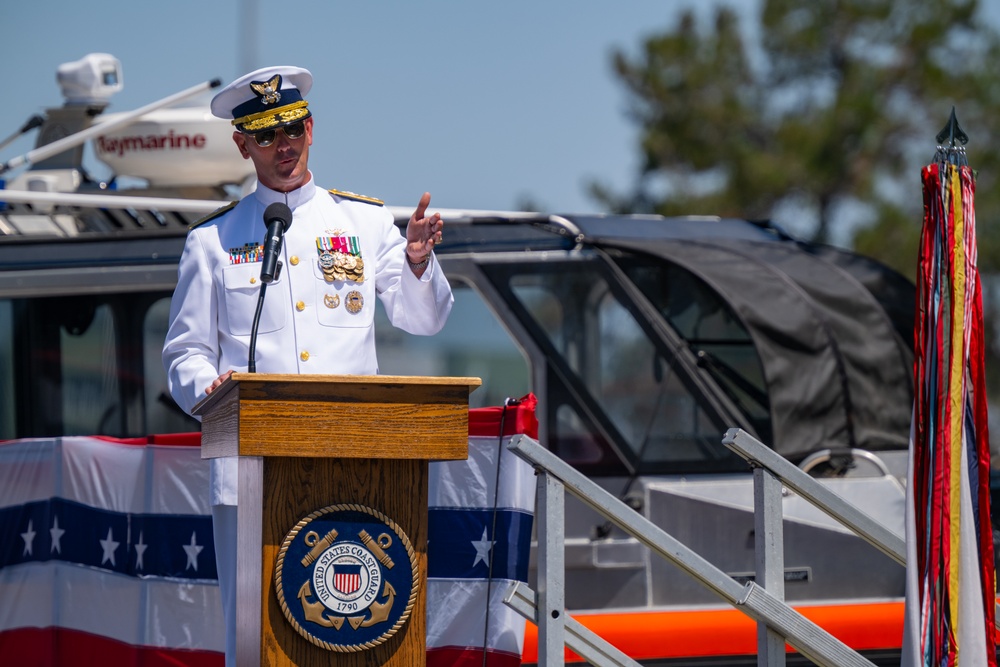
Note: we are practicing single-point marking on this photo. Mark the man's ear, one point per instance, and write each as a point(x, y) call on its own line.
point(241, 142)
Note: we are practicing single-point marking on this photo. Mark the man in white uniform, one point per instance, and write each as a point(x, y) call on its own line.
point(340, 251)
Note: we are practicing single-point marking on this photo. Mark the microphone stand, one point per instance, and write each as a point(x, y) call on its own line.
point(277, 217)
point(252, 361)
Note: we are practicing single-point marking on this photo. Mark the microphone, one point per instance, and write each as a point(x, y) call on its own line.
point(278, 218)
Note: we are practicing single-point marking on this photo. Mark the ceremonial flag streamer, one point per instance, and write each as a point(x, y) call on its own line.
point(950, 611)
point(106, 553)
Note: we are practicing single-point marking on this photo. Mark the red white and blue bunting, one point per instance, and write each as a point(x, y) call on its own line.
point(106, 553)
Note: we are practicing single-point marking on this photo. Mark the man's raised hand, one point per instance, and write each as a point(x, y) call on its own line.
point(423, 232)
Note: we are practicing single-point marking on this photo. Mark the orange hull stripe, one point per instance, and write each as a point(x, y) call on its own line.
point(717, 632)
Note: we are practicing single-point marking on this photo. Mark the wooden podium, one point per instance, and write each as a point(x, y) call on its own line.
point(309, 442)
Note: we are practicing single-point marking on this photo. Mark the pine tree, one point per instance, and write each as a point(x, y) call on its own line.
point(822, 124)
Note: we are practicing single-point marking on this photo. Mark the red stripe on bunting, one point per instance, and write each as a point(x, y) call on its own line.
point(177, 439)
point(453, 656)
point(60, 647)
point(518, 417)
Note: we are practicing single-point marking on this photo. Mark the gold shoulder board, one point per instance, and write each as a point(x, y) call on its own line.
point(213, 215)
point(356, 197)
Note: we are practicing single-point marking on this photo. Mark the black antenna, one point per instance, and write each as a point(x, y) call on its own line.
point(948, 150)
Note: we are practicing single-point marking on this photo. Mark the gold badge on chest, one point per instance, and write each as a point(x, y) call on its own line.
point(354, 302)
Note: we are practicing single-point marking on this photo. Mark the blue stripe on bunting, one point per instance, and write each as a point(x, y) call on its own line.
point(181, 546)
point(457, 548)
point(140, 545)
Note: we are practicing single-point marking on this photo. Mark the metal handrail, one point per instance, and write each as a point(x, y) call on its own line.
point(579, 638)
point(556, 476)
point(757, 453)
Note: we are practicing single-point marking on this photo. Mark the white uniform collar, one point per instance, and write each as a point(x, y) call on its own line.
point(293, 199)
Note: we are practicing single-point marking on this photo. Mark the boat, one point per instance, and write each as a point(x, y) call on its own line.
point(644, 339)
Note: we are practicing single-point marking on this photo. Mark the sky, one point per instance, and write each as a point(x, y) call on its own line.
point(485, 105)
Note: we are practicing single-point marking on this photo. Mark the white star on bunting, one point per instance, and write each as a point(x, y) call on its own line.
point(192, 551)
point(140, 549)
point(109, 546)
point(482, 547)
point(29, 538)
point(56, 532)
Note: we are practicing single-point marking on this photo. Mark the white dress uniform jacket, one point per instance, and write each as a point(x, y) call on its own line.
point(305, 326)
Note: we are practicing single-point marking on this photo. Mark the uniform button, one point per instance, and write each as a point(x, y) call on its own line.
point(300, 306)
point(253, 280)
point(294, 260)
point(304, 356)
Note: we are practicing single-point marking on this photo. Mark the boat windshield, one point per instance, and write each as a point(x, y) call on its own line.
point(710, 327)
point(616, 388)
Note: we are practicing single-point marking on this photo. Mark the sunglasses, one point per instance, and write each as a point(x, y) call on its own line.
point(267, 137)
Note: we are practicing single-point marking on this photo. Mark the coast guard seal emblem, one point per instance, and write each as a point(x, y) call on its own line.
point(346, 577)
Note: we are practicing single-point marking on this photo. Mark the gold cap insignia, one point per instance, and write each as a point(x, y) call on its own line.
point(268, 90)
